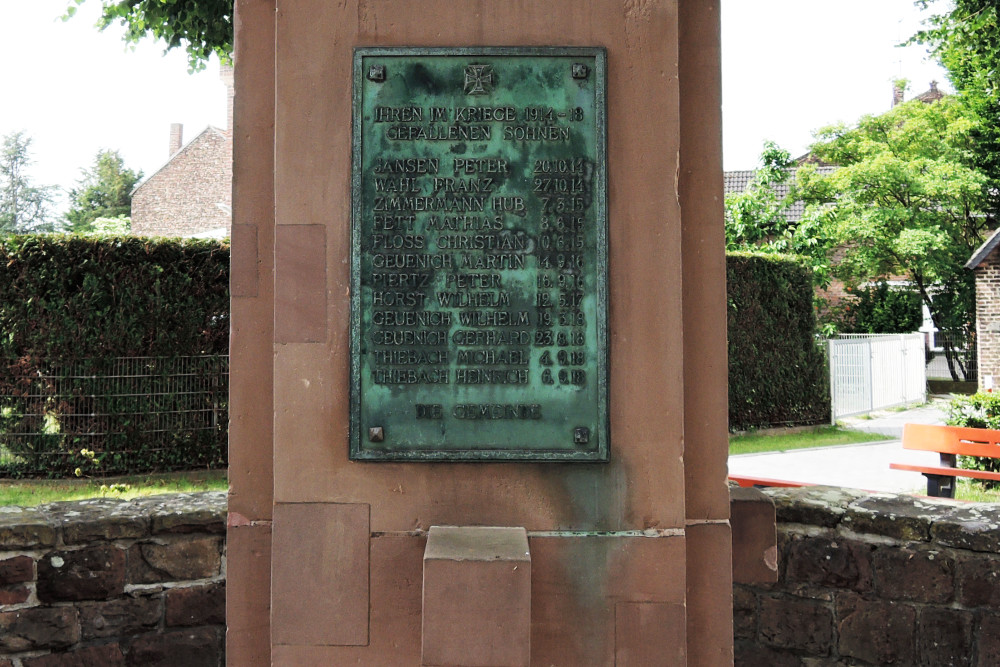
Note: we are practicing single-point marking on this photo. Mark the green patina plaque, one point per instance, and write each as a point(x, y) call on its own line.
point(479, 255)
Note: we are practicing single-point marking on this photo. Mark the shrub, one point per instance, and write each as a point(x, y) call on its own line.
point(880, 308)
point(981, 410)
point(777, 371)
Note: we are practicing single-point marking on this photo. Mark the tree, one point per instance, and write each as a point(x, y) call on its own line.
point(758, 218)
point(202, 27)
point(881, 308)
point(966, 40)
point(117, 226)
point(24, 207)
point(105, 191)
point(907, 200)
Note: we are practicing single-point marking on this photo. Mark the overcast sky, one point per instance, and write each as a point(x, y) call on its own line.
point(792, 66)
point(789, 67)
point(75, 91)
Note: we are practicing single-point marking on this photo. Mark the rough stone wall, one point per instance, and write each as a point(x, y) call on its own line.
point(988, 318)
point(875, 580)
point(113, 583)
point(190, 194)
point(864, 579)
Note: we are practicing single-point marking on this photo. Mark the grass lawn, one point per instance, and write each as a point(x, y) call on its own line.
point(820, 436)
point(30, 492)
point(970, 490)
point(967, 490)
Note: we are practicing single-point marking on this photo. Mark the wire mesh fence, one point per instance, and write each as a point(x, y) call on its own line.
point(113, 416)
point(964, 360)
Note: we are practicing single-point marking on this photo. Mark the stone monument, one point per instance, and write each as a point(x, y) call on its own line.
point(479, 335)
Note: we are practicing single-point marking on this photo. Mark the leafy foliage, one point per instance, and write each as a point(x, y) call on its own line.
point(758, 219)
point(202, 27)
point(777, 373)
point(756, 216)
point(24, 207)
point(966, 40)
point(116, 226)
point(906, 201)
point(981, 410)
point(881, 308)
point(71, 308)
point(105, 191)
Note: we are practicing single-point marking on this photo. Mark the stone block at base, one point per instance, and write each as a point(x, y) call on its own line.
point(755, 541)
point(476, 597)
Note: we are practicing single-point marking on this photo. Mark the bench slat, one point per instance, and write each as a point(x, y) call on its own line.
point(948, 472)
point(952, 440)
point(747, 481)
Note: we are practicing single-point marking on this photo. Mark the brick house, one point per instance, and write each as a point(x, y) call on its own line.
point(191, 194)
point(985, 263)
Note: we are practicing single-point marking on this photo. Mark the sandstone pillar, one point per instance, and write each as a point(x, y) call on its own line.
point(630, 558)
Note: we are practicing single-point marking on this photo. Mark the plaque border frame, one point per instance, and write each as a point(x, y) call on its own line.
point(600, 454)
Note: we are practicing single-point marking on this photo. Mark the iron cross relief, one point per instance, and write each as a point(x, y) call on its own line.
point(479, 79)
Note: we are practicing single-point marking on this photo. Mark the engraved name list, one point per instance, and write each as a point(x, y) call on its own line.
point(479, 255)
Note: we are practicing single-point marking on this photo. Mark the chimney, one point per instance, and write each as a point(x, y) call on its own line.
point(898, 89)
point(227, 77)
point(176, 137)
point(934, 88)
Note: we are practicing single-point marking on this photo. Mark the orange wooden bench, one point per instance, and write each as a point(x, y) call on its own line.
point(746, 481)
point(950, 442)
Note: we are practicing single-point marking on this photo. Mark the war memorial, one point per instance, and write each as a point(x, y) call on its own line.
point(479, 336)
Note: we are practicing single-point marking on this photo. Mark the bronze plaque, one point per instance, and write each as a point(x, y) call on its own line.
point(479, 255)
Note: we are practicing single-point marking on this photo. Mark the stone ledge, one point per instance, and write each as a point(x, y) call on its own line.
point(24, 528)
point(936, 521)
point(109, 519)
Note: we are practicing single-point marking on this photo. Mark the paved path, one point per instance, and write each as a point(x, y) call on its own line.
point(890, 422)
point(863, 466)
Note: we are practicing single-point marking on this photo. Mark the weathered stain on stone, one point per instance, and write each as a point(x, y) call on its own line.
point(830, 562)
point(187, 512)
point(189, 559)
point(119, 618)
point(972, 527)
point(918, 574)
point(877, 632)
point(97, 519)
point(822, 506)
point(21, 528)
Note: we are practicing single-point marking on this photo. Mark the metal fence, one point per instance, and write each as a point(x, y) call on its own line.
point(103, 416)
point(966, 360)
point(874, 371)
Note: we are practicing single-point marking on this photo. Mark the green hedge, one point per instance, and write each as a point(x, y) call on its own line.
point(99, 330)
point(84, 296)
point(113, 354)
point(777, 371)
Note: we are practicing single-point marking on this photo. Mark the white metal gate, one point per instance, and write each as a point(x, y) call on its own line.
point(874, 371)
